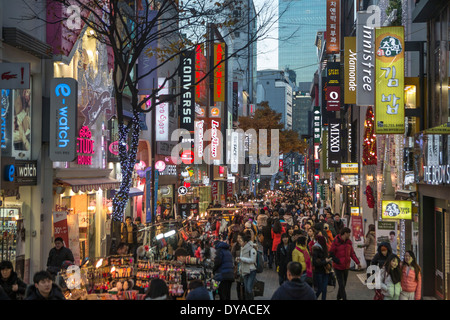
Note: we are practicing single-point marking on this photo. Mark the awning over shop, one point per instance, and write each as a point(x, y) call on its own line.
point(90, 184)
point(134, 192)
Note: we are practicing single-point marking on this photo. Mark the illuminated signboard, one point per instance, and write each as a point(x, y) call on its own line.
point(186, 108)
point(350, 57)
point(349, 168)
point(389, 84)
point(63, 118)
point(219, 72)
point(85, 147)
point(396, 210)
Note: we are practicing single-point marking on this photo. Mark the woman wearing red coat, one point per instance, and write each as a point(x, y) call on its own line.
point(342, 250)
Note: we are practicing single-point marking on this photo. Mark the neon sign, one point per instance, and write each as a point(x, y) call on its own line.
point(85, 146)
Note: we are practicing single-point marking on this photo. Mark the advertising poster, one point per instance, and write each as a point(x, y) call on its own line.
point(21, 148)
point(358, 238)
point(60, 227)
point(389, 84)
point(74, 236)
point(386, 231)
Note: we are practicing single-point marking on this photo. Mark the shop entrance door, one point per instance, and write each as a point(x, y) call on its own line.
point(439, 249)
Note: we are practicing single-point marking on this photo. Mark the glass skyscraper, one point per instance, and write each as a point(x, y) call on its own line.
point(299, 21)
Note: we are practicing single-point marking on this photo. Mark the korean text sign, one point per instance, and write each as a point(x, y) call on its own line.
point(389, 80)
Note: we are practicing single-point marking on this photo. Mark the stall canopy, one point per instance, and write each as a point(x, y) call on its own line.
point(134, 192)
point(89, 184)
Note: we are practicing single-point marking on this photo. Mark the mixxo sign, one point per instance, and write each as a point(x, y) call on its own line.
point(63, 119)
point(334, 143)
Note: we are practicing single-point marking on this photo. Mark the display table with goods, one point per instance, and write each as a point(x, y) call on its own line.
point(118, 278)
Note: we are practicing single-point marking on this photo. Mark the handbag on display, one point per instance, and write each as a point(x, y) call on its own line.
point(258, 288)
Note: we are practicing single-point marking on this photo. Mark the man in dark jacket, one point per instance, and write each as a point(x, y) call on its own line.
point(267, 243)
point(283, 257)
point(223, 269)
point(13, 286)
point(57, 256)
point(294, 288)
point(43, 288)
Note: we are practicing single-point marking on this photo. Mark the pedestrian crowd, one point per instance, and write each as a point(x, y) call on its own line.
point(309, 248)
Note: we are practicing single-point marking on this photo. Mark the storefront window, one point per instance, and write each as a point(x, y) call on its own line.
point(8, 232)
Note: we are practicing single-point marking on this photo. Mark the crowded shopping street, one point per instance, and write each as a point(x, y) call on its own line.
point(246, 153)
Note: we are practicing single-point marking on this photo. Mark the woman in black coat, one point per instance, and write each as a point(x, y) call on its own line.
point(10, 282)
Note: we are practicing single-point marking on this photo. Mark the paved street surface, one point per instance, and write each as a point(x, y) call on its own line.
point(355, 288)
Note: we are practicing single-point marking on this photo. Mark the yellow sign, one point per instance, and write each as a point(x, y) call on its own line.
point(389, 80)
point(349, 168)
point(396, 210)
point(350, 70)
point(354, 211)
point(219, 72)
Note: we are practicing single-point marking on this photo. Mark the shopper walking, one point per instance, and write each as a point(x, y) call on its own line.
point(13, 286)
point(236, 253)
point(223, 269)
point(57, 256)
point(383, 252)
point(301, 255)
point(370, 245)
point(342, 249)
point(322, 266)
point(390, 278)
point(411, 278)
point(247, 264)
point(283, 257)
point(295, 288)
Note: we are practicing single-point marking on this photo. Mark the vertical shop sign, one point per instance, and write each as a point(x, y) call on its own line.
point(350, 58)
point(333, 87)
point(389, 85)
point(219, 72)
point(333, 26)
point(234, 152)
point(317, 124)
point(162, 113)
point(63, 118)
point(186, 109)
point(200, 73)
point(365, 58)
point(148, 195)
point(155, 204)
point(334, 143)
point(235, 101)
point(60, 227)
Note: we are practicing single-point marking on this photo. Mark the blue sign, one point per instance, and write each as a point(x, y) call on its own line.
point(9, 172)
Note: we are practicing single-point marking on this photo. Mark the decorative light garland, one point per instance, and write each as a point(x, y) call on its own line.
point(370, 142)
point(127, 162)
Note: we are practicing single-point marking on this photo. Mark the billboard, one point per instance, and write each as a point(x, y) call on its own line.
point(389, 85)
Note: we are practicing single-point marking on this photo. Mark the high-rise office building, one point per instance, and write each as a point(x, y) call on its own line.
point(299, 21)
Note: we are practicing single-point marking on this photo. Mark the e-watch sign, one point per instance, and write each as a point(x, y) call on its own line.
point(63, 119)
